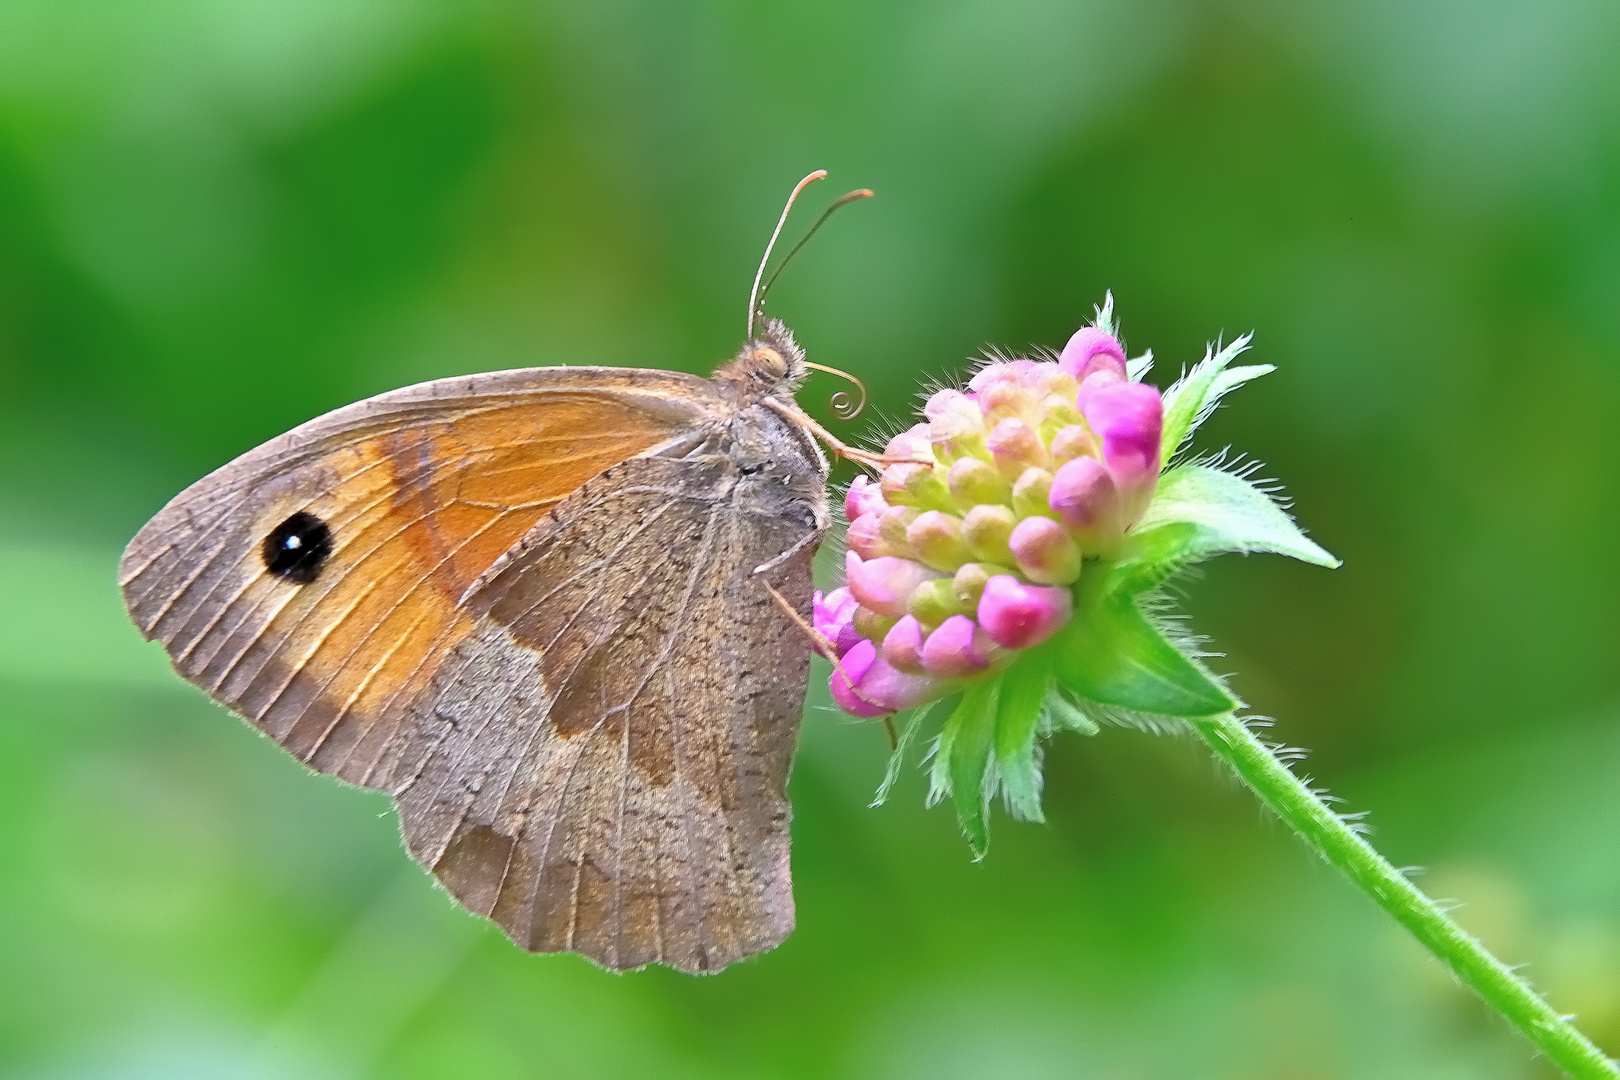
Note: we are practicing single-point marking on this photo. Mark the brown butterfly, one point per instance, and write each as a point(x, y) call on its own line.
point(535, 607)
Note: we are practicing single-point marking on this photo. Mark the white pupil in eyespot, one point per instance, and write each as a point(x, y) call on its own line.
point(294, 543)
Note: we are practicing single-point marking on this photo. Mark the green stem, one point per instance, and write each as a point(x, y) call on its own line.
point(1487, 976)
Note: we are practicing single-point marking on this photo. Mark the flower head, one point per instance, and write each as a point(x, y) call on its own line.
point(1001, 557)
point(967, 549)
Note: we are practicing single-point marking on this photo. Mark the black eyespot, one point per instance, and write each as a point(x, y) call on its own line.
point(297, 548)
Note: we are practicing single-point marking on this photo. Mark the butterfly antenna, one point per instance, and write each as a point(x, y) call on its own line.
point(754, 294)
point(844, 200)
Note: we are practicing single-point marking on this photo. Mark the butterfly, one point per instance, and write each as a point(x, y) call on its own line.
point(553, 612)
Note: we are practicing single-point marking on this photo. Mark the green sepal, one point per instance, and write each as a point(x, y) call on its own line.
point(1111, 653)
point(1063, 714)
point(1199, 511)
point(908, 735)
point(1105, 316)
point(1190, 401)
point(962, 761)
point(1226, 382)
point(1024, 688)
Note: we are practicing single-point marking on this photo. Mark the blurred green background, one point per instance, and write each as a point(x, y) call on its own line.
point(219, 218)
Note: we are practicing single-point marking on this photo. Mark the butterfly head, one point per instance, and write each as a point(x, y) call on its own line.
point(771, 364)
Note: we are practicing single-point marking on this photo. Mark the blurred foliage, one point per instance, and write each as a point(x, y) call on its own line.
point(219, 218)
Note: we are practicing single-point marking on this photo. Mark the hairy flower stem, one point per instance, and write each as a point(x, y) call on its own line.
point(1323, 829)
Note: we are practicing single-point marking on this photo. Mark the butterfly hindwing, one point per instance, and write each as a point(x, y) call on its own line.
point(600, 765)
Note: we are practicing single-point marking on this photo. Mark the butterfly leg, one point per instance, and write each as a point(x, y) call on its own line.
point(838, 447)
point(810, 540)
point(818, 640)
point(823, 647)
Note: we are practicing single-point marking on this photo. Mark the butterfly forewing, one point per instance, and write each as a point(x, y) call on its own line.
point(421, 490)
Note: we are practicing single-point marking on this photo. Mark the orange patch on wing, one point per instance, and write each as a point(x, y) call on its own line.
point(429, 508)
point(469, 489)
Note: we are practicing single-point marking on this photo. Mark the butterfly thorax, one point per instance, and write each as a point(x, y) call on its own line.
point(769, 449)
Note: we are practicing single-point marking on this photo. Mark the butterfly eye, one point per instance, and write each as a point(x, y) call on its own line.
point(296, 549)
point(770, 362)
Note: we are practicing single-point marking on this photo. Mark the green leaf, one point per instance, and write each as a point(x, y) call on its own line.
point(1199, 511)
point(1113, 654)
point(1024, 688)
point(908, 735)
point(1190, 401)
point(963, 760)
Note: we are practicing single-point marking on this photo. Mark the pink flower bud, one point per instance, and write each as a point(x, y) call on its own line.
point(892, 526)
point(882, 688)
point(1030, 494)
point(1094, 382)
point(982, 378)
point(1085, 498)
point(849, 673)
point(986, 530)
point(1006, 397)
point(1002, 371)
point(1071, 442)
point(1092, 349)
point(902, 646)
point(915, 485)
point(864, 497)
point(972, 481)
point(1016, 447)
point(958, 649)
point(1045, 551)
point(957, 439)
point(1047, 380)
point(1129, 418)
point(937, 540)
point(833, 618)
point(865, 539)
point(933, 602)
point(956, 427)
point(951, 404)
point(1057, 413)
point(969, 582)
point(1016, 616)
point(911, 444)
point(884, 585)
point(870, 625)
